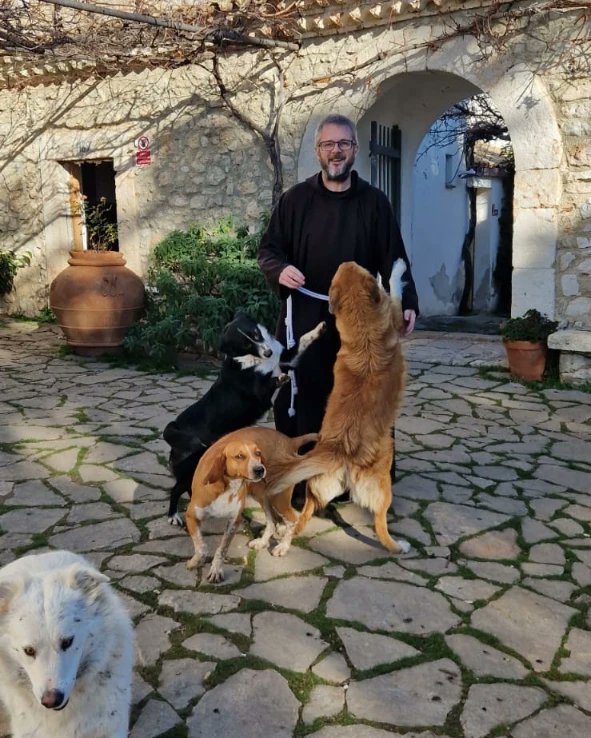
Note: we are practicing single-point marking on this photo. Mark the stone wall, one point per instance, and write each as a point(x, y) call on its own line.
point(207, 163)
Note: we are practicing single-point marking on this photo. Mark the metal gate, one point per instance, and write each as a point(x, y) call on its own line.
point(384, 152)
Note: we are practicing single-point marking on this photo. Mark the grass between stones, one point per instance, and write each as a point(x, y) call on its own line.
point(82, 416)
point(38, 540)
point(342, 718)
point(179, 731)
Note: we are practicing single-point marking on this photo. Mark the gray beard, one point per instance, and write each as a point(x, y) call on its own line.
point(338, 177)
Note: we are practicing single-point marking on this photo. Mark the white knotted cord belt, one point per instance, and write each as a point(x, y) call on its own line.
point(290, 341)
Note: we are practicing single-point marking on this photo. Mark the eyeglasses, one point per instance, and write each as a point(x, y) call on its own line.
point(345, 144)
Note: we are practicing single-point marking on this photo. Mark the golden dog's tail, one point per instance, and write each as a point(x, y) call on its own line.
point(287, 472)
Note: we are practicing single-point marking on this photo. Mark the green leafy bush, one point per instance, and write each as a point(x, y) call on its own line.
point(197, 280)
point(532, 326)
point(10, 263)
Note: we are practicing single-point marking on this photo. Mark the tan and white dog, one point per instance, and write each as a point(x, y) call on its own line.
point(236, 465)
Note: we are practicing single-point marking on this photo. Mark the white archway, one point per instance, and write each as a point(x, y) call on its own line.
point(413, 91)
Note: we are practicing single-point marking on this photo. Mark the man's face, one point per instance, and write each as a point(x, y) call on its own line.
point(336, 162)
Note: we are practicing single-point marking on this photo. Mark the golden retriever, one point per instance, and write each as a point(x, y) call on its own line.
point(355, 446)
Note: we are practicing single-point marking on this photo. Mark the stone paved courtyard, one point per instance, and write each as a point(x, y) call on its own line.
point(483, 629)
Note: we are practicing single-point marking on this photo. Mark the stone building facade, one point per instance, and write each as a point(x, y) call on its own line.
point(401, 62)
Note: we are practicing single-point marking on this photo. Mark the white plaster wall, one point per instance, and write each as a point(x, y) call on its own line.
point(438, 226)
point(489, 197)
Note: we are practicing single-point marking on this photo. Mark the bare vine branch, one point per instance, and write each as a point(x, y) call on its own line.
point(73, 31)
point(218, 35)
point(268, 135)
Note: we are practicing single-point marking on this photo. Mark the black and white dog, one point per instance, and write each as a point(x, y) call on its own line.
point(252, 370)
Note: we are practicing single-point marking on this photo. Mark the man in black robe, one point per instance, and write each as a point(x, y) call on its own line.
point(332, 217)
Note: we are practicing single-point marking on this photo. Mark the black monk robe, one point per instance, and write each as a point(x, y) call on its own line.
point(315, 230)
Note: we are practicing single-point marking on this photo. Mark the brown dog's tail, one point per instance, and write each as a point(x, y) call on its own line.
point(287, 472)
point(300, 441)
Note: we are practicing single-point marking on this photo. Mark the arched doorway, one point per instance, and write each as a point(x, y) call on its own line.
point(414, 98)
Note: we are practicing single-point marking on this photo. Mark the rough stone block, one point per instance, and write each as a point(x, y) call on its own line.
point(571, 340)
point(533, 288)
point(534, 238)
point(570, 285)
point(579, 309)
point(537, 188)
point(575, 368)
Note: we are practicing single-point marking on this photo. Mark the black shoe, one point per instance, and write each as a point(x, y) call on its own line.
point(344, 498)
point(299, 496)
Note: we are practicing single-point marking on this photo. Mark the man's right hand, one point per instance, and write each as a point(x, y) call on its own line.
point(292, 278)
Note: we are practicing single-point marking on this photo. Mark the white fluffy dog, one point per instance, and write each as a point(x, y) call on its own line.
point(66, 649)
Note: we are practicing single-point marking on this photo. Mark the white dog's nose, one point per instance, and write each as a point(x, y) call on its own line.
point(53, 699)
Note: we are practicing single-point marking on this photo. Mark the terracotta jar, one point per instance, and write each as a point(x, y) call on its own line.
point(527, 359)
point(96, 299)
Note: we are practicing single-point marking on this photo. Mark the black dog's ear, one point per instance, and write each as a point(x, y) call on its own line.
point(237, 338)
point(228, 338)
point(225, 343)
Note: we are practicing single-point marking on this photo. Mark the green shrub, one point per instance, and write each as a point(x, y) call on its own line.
point(197, 280)
point(10, 263)
point(532, 326)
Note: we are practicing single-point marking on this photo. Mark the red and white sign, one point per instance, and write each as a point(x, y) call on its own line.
point(143, 155)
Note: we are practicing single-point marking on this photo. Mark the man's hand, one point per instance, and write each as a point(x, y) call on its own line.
point(292, 278)
point(409, 322)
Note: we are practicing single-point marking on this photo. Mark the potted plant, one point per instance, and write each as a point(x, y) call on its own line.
point(525, 342)
point(96, 298)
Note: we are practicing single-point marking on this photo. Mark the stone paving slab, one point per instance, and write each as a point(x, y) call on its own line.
point(483, 629)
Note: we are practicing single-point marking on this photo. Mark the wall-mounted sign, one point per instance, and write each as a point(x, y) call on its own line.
point(143, 155)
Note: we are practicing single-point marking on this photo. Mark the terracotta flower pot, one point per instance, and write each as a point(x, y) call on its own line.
point(96, 299)
point(527, 359)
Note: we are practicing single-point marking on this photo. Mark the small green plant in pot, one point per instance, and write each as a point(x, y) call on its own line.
point(525, 340)
point(101, 225)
